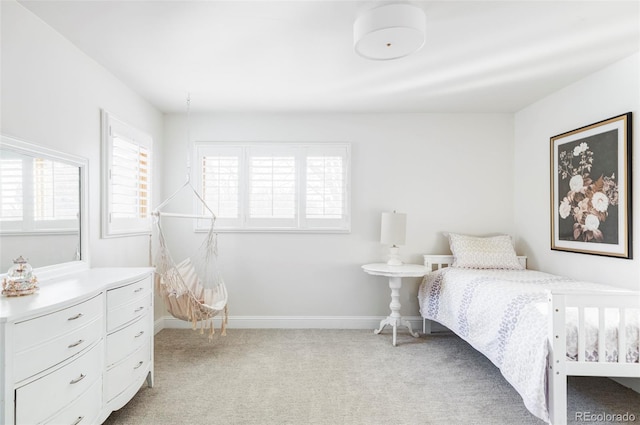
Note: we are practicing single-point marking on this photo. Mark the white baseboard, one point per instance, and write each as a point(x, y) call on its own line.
point(158, 325)
point(290, 322)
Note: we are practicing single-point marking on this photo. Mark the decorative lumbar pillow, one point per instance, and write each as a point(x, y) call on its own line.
point(495, 252)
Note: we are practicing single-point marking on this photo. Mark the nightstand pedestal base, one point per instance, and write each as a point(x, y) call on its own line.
point(395, 275)
point(395, 322)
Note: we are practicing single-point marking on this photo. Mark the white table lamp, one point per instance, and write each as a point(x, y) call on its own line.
point(393, 232)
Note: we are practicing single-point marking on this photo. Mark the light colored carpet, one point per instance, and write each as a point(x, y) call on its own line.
point(334, 377)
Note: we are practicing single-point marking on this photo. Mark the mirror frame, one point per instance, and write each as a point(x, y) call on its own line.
point(30, 149)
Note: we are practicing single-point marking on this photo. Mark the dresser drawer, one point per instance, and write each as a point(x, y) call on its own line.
point(128, 312)
point(131, 370)
point(125, 341)
point(125, 294)
point(41, 357)
point(84, 410)
point(35, 331)
point(40, 399)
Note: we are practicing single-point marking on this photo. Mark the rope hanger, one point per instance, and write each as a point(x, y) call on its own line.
point(192, 289)
point(187, 184)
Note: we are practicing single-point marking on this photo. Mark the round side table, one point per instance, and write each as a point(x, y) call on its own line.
point(395, 275)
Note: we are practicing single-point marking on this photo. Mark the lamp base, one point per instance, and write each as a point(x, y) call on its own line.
point(394, 258)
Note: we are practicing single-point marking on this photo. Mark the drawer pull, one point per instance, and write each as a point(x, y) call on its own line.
point(139, 309)
point(138, 290)
point(140, 363)
point(77, 316)
point(77, 421)
point(139, 334)
point(75, 344)
point(78, 379)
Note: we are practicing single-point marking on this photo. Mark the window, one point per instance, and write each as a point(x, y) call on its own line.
point(56, 193)
point(11, 198)
point(220, 182)
point(275, 186)
point(38, 195)
point(127, 179)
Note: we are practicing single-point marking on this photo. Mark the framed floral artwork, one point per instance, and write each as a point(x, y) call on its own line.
point(591, 189)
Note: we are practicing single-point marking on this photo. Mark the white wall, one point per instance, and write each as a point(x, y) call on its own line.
point(51, 95)
point(612, 91)
point(448, 172)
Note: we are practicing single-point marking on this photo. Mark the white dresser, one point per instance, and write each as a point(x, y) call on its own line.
point(78, 349)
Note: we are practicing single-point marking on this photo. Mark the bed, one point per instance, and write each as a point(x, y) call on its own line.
point(504, 314)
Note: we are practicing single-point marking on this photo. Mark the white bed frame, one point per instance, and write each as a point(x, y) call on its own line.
point(558, 367)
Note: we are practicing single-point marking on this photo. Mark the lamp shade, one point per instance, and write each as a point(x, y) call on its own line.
point(390, 31)
point(393, 228)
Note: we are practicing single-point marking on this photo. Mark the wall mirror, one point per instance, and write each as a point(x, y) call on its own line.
point(43, 210)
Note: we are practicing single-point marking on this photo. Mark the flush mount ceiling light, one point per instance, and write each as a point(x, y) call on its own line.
point(391, 31)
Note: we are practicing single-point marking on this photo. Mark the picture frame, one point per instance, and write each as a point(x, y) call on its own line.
point(591, 189)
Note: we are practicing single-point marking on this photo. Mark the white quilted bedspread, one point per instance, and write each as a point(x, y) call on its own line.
point(502, 314)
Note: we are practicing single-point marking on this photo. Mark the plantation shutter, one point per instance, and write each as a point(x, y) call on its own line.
point(128, 179)
point(326, 190)
point(38, 195)
point(55, 195)
point(272, 189)
point(11, 198)
point(221, 185)
point(325, 182)
point(275, 186)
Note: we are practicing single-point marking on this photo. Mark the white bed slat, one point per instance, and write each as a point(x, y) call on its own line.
point(622, 336)
point(581, 334)
point(602, 352)
point(437, 262)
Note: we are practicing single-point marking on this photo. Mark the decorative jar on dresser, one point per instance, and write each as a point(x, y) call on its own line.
point(78, 348)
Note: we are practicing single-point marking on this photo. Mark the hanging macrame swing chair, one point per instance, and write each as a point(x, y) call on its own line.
point(193, 289)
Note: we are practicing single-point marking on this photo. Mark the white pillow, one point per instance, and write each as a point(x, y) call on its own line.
point(495, 252)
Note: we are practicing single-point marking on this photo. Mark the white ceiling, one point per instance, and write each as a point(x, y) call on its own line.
point(480, 56)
